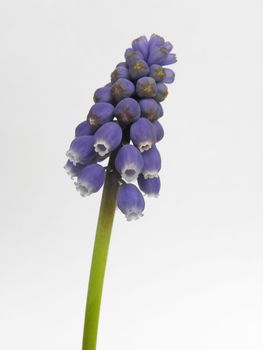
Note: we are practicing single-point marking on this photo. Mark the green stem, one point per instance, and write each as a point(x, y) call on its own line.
point(99, 259)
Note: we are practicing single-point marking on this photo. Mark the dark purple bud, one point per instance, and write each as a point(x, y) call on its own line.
point(157, 72)
point(132, 56)
point(158, 129)
point(141, 44)
point(129, 162)
point(107, 138)
point(150, 109)
point(169, 76)
point(127, 111)
point(100, 113)
point(122, 88)
point(146, 87)
point(73, 170)
point(142, 134)
point(151, 187)
point(119, 72)
point(90, 179)
point(157, 55)
point(81, 150)
point(138, 69)
point(103, 94)
point(84, 128)
point(162, 92)
point(170, 59)
point(130, 201)
point(152, 163)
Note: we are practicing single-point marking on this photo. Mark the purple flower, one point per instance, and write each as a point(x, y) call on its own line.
point(127, 111)
point(103, 94)
point(150, 109)
point(151, 187)
point(158, 129)
point(157, 72)
point(73, 170)
point(81, 150)
point(142, 134)
point(107, 138)
point(90, 179)
point(151, 163)
point(141, 44)
point(100, 113)
point(146, 87)
point(169, 76)
point(84, 128)
point(122, 88)
point(138, 69)
point(129, 162)
point(130, 201)
point(162, 92)
point(121, 71)
point(132, 56)
point(155, 40)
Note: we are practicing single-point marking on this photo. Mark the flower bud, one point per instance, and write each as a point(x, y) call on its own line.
point(138, 69)
point(157, 55)
point(150, 109)
point(141, 44)
point(127, 111)
point(162, 92)
point(103, 94)
point(132, 56)
point(151, 187)
point(122, 88)
point(169, 59)
point(152, 163)
point(146, 87)
point(73, 170)
point(119, 72)
point(90, 179)
point(157, 72)
point(169, 76)
point(100, 113)
point(155, 40)
point(129, 162)
point(142, 134)
point(130, 201)
point(84, 128)
point(158, 129)
point(107, 138)
point(81, 150)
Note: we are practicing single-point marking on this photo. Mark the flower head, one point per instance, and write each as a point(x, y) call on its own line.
point(123, 123)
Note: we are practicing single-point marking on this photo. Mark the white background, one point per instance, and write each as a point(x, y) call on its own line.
point(189, 274)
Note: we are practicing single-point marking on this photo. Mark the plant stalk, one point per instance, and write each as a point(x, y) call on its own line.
point(99, 258)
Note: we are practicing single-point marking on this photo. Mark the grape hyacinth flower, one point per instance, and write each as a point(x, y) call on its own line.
point(124, 126)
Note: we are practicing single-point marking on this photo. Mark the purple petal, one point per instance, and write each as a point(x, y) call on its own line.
point(142, 134)
point(151, 187)
point(162, 92)
point(90, 179)
point(132, 56)
point(119, 72)
point(84, 128)
point(129, 162)
point(157, 72)
point(130, 201)
point(73, 170)
point(107, 138)
point(169, 76)
point(150, 109)
point(82, 150)
point(122, 88)
point(152, 163)
point(141, 44)
point(103, 94)
point(100, 113)
point(138, 69)
point(127, 111)
point(146, 87)
point(158, 129)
